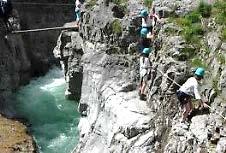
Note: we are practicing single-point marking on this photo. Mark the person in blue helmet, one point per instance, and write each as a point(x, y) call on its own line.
point(145, 68)
point(146, 20)
point(144, 42)
point(189, 90)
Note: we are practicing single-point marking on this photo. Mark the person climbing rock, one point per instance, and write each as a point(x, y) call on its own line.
point(189, 90)
point(78, 5)
point(144, 41)
point(146, 21)
point(145, 68)
point(5, 11)
point(154, 17)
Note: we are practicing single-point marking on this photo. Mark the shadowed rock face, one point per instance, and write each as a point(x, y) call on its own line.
point(14, 72)
point(39, 45)
point(15, 65)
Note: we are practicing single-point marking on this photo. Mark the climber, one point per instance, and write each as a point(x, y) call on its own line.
point(5, 11)
point(78, 6)
point(154, 17)
point(145, 69)
point(189, 90)
point(146, 21)
point(145, 40)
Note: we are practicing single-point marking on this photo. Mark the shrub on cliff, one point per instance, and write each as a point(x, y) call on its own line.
point(119, 2)
point(192, 33)
point(91, 3)
point(148, 3)
point(223, 35)
point(204, 9)
point(116, 27)
point(219, 12)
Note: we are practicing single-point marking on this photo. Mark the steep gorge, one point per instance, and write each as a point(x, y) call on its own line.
point(101, 69)
point(24, 57)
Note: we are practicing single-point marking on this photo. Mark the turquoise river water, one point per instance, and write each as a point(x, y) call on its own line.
point(53, 119)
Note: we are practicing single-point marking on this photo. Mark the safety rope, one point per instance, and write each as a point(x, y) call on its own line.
point(180, 86)
point(44, 4)
point(44, 29)
point(168, 78)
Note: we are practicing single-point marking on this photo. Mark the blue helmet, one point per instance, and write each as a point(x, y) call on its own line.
point(144, 13)
point(143, 32)
point(200, 72)
point(146, 50)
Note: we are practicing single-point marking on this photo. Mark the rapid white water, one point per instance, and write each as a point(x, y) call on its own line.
point(53, 118)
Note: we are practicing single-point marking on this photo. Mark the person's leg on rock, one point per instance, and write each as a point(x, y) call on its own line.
point(143, 87)
point(187, 108)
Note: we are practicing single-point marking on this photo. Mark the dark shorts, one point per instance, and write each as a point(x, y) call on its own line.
point(183, 97)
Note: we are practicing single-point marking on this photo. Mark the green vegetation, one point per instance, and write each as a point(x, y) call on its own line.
point(148, 3)
point(122, 4)
point(221, 58)
point(197, 62)
point(193, 17)
point(219, 11)
point(215, 82)
point(119, 2)
point(204, 9)
point(192, 29)
point(116, 27)
point(192, 33)
point(91, 3)
point(223, 35)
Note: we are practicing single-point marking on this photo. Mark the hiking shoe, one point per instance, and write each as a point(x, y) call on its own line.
point(143, 97)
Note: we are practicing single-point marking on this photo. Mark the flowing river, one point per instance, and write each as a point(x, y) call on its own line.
point(53, 119)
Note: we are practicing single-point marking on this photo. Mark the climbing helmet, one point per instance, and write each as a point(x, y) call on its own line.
point(144, 13)
point(146, 50)
point(144, 32)
point(200, 72)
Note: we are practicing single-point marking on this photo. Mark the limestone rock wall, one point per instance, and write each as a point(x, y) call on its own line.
point(69, 51)
point(113, 118)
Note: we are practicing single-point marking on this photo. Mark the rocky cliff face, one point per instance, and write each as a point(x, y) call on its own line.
point(15, 71)
point(42, 14)
point(25, 56)
point(15, 65)
point(113, 118)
